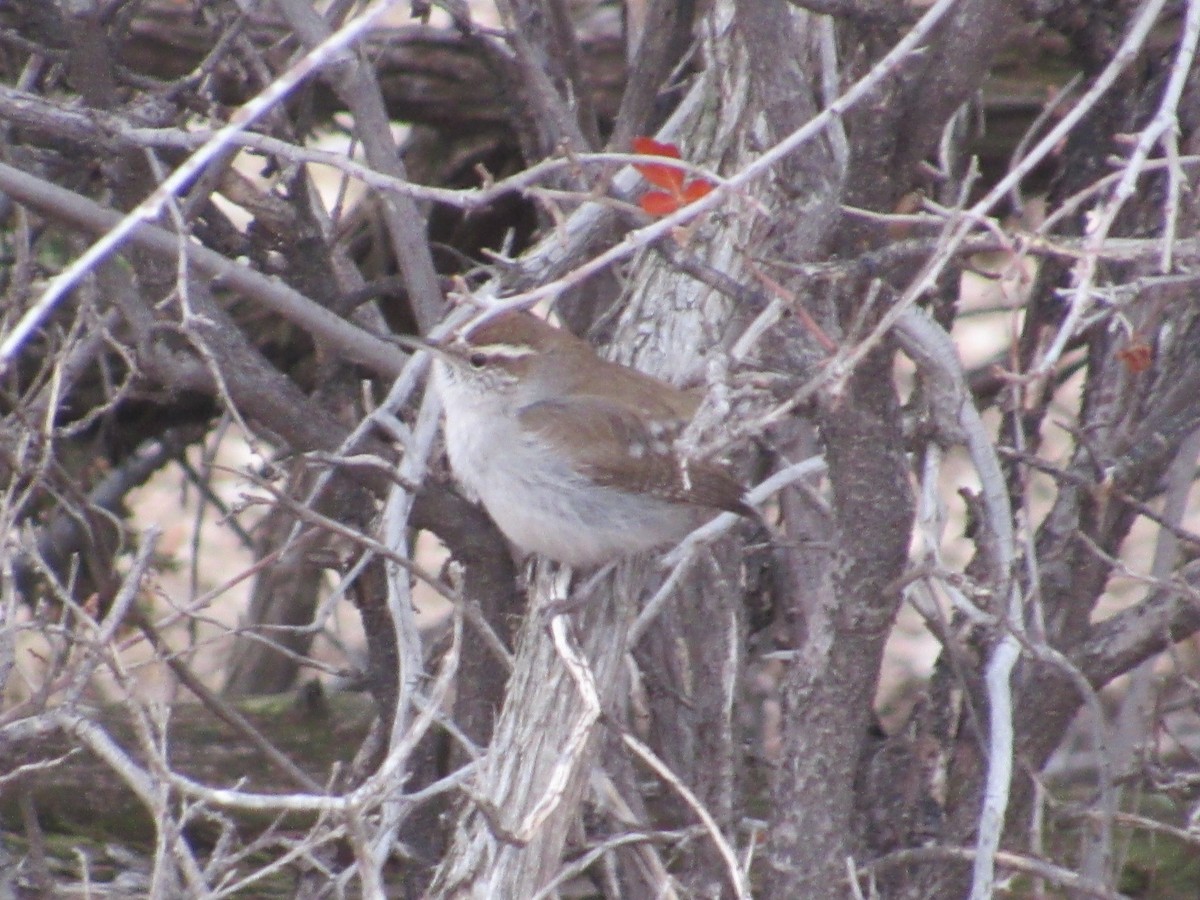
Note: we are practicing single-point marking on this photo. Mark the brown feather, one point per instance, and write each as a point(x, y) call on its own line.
point(589, 423)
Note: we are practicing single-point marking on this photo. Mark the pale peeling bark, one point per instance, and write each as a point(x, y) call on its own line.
point(526, 791)
point(672, 326)
point(760, 85)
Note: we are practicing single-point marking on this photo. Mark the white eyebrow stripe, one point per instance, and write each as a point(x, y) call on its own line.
point(511, 351)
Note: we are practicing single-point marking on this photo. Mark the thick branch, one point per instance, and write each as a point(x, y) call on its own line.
point(1121, 642)
point(359, 87)
point(336, 333)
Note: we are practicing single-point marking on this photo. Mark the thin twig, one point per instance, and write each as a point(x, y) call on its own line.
point(737, 878)
point(766, 162)
point(1064, 878)
point(149, 208)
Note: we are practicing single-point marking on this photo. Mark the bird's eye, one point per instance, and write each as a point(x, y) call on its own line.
point(477, 360)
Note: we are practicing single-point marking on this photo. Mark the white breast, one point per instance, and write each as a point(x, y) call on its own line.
point(537, 500)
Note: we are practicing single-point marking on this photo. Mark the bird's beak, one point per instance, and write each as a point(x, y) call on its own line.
point(441, 349)
point(417, 344)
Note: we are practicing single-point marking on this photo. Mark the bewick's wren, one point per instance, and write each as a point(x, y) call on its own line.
point(572, 456)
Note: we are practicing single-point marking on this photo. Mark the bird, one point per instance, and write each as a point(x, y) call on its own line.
point(574, 457)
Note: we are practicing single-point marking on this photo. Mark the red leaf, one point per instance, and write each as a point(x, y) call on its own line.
point(1137, 357)
point(677, 189)
point(694, 190)
point(658, 203)
point(650, 147)
point(666, 177)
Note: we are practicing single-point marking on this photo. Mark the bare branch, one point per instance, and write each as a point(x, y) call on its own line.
point(355, 343)
point(153, 205)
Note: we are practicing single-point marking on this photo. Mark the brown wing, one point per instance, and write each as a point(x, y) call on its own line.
point(640, 391)
point(593, 426)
